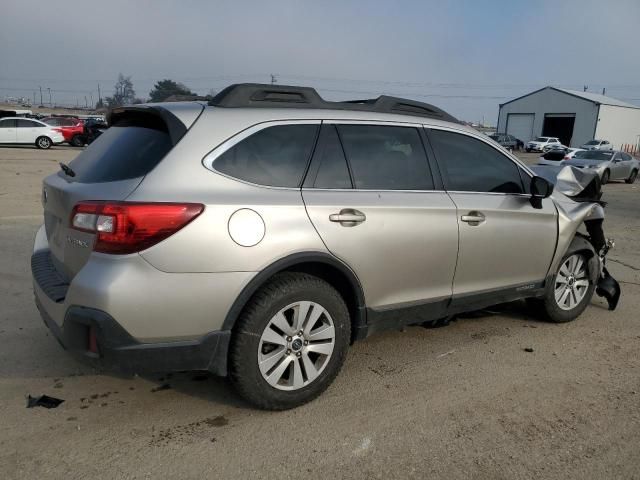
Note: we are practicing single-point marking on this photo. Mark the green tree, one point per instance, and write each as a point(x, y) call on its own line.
point(166, 88)
point(124, 94)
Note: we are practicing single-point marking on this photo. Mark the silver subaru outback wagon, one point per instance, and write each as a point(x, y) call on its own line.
point(259, 235)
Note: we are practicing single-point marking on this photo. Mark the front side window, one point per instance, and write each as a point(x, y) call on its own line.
point(385, 157)
point(471, 165)
point(275, 156)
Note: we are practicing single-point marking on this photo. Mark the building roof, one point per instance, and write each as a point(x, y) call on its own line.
point(597, 98)
point(589, 96)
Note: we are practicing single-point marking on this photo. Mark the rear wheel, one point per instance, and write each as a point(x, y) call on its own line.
point(632, 177)
point(570, 291)
point(290, 342)
point(77, 141)
point(43, 142)
point(605, 177)
point(528, 150)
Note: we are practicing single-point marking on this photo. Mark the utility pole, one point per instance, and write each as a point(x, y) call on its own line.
point(273, 79)
point(34, 97)
point(50, 102)
point(40, 95)
point(603, 90)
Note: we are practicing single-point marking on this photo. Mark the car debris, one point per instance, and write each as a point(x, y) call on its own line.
point(43, 401)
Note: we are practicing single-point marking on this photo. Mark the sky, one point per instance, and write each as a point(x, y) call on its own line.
point(466, 57)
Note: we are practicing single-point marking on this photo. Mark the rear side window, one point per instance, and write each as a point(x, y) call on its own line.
point(329, 168)
point(8, 123)
point(385, 157)
point(275, 156)
point(120, 153)
point(471, 165)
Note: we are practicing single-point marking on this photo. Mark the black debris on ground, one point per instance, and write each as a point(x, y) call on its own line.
point(43, 401)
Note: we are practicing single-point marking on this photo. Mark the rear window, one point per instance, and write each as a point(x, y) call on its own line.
point(594, 155)
point(120, 153)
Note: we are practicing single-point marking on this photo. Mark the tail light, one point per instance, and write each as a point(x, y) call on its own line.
point(129, 227)
point(567, 157)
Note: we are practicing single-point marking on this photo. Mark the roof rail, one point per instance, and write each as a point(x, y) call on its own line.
point(287, 96)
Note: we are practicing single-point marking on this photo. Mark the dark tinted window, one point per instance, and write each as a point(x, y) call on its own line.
point(385, 157)
point(330, 166)
point(7, 124)
point(275, 156)
point(121, 152)
point(473, 166)
point(603, 155)
point(626, 157)
point(28, 124)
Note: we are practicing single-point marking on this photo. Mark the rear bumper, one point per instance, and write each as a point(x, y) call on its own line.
point(119, 351)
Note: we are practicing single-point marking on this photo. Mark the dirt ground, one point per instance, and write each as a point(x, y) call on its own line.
point(465, 401)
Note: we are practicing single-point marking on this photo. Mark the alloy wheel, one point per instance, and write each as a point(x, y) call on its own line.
point(296, 345)
point(571, 284)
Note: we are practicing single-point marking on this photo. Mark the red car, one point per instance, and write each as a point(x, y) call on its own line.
point(72, 129)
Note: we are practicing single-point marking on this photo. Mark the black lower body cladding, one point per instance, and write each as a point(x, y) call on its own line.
point(118, 351)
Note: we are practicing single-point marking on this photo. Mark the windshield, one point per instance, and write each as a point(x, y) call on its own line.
point(592, 142)
point(594, 155)
point(542, 139)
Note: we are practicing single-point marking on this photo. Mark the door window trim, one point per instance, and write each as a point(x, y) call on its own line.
point(522, 168)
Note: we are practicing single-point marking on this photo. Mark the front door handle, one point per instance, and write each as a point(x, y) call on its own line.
point(473, 218)
point(348, 217)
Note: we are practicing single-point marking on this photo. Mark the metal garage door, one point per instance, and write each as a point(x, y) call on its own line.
point(520, 125)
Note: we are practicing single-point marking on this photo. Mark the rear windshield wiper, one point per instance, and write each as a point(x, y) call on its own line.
point(67, 170)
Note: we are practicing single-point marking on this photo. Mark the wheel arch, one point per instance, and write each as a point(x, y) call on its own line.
point(322, 265)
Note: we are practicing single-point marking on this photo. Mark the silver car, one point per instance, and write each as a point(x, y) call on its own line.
point(608, 164)
point(259, 235)
point(597, 145)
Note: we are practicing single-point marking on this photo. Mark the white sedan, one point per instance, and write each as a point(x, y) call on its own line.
point(15, 130)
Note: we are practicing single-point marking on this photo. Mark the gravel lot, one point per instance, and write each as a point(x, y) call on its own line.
point(466, 401)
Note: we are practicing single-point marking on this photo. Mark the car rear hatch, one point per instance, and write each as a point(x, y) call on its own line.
point(110, 169)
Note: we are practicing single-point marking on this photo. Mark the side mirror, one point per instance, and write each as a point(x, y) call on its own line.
point(540, 189)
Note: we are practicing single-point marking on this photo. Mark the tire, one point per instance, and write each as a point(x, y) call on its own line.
point(528, 150)
point(43, 143)
point(559, 306)
point(605, 177)
point(77, 141)
point(632, 177)
point(265, 333)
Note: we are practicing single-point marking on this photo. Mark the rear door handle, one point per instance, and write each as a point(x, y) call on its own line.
point(348, 217)
point(473, 218)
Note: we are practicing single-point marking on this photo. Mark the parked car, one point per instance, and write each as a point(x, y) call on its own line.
point(608, 164)
point(555, 147)
point(71, 128)
point(556, 156)
point(507, 141)
point(597, 145)
point(539, 143)
point(15, 130)
point(261, 234)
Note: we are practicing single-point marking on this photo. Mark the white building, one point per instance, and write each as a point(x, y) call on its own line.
point(574, 117)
